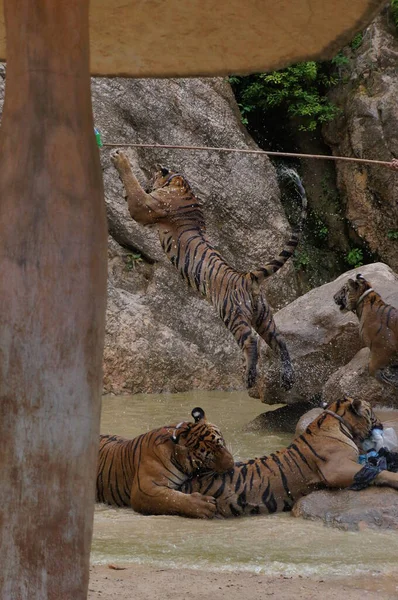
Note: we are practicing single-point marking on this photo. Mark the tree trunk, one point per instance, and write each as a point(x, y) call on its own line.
point(52, 302)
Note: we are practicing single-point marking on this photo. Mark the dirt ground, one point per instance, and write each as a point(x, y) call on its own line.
point(142, 582)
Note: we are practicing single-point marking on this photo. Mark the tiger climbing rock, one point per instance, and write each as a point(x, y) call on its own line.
point(324, 456)
point(237, 296)
point(378, 326)
point(146, 472)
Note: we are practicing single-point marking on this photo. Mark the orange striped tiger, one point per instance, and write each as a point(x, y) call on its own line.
point(324, 456)
point(378, 326)
point(237, 296)
point(146, 472)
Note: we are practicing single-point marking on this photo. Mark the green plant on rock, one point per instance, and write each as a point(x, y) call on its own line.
point(357, 41)
point(392, 235)
point(131, 260)
point(340, 60)
point(394, 12)
point(355, 257)
point(321, 229)
point(301, 259)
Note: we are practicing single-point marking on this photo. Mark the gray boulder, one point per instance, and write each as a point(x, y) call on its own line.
point(354, 379)
point(349, 510)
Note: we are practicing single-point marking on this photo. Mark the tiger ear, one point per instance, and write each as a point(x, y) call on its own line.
point(164, 170)
point(356, 406)
point(180, 428)
point(198, 414)
point(360, 277)
point(352, 284)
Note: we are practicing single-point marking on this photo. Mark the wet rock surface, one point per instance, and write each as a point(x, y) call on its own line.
point(349, 510)
point(283, 419)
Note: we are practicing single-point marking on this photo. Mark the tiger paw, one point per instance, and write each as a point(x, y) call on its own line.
point(120, 160)
point(202, 507)
point(287, 380)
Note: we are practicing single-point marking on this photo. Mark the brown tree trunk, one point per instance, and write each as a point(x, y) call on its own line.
point(52, 302)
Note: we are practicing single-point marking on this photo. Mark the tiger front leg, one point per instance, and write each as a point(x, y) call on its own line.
point(264, 324)
point(143, 208)
point(380, 367)
point(341, 474)
point(166, 501)
point(247, 341)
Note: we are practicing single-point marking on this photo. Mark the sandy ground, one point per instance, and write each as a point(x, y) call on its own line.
point(141, 582)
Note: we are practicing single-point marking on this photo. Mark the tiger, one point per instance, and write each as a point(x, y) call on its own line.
point(145, 473)
point(237, 296)
point(378, 326)
point(324, 456)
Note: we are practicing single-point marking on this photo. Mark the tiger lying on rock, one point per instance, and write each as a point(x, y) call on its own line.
point(146, 472)
point(378, 326)
point(324, 456)
point(237, 297)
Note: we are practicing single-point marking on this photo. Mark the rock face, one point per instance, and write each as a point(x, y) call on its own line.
point(321, 339)
point(367, 128)
point(161, 336)
point(284, 419)
point(353, 379)
point(349, 510)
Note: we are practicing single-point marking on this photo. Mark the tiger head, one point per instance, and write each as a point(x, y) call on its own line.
point(201, 446)
point(349, 295)
point(170, 181)
point(357, 415)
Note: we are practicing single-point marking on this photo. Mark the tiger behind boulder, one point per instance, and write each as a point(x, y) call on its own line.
point(146, 472)
point(237, 297)
point(378, 326)
point(324, 456)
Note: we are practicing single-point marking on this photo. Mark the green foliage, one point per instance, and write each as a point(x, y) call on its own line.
point(340, 60)
point(392, 235)
point(301, 260)
point(357, 41)
point(355, 257)
point(132, 259)
point(394, 12)
point(298, 90)
point(321, 230)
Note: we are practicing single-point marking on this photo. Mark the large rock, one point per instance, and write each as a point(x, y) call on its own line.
point(354, 379)
point(321, 339)
point(349, 510)
point(285, 418)
point(161, 336)
point(367, 128)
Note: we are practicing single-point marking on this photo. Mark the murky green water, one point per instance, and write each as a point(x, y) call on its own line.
point(273, 544)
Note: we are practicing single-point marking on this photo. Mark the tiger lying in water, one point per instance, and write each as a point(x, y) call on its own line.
point(237, 297)
point(378, 326)
point(146, 472)
point(326, 455)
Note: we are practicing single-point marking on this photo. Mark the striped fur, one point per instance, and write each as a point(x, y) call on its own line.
point(326, 455)
point(237, 296)
point(146, 472)
point(378, 326)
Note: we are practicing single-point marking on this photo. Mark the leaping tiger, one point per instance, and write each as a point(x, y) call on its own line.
point(237, 296)
point(146, 472)
point(324, 456)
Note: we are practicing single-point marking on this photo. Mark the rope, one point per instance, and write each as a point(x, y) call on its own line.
point(391, 165)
